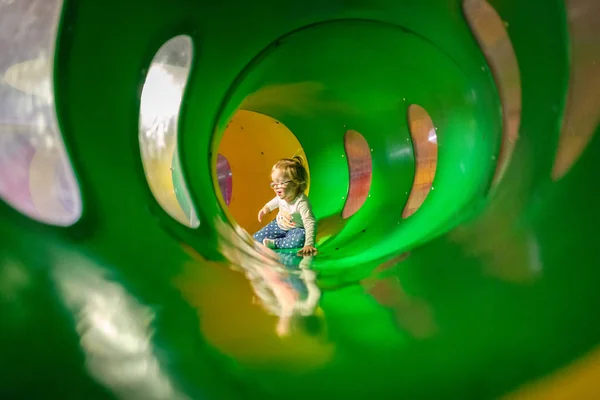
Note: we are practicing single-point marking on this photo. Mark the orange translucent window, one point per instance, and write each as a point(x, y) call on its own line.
point(424, 139)
point(360, 166)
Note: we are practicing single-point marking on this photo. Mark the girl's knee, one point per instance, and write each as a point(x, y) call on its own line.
point(257, 236)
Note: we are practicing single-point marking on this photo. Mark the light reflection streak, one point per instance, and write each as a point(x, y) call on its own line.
point(116, 334)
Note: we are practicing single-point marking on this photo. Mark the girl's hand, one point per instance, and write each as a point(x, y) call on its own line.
point(263, 211)
point(308, 251)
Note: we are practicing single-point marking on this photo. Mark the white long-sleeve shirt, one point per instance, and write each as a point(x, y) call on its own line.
point(301, 213)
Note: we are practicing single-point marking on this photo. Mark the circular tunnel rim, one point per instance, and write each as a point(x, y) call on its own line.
point(226, 110)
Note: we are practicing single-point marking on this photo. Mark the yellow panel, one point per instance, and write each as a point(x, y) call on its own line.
point(249, 323)
point(252, 143)
point(159, 175)
point(576, 381)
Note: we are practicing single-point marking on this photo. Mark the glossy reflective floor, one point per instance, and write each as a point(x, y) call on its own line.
point(123, 271)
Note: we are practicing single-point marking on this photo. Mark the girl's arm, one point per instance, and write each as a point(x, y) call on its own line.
point(309, 221)
point(273, 204)
point(270, 206)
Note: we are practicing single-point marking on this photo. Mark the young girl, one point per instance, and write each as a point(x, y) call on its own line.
point(295, 225)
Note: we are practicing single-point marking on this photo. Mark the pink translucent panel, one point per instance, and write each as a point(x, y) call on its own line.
point(16, 154)
point(224, 177)
point(36, 177)
point(358, 154)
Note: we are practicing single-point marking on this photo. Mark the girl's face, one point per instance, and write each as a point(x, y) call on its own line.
point(283, 186)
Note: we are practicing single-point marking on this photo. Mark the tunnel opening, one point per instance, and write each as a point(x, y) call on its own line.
point(252, 143)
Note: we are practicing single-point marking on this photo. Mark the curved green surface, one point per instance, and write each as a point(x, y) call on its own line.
point(499, 288)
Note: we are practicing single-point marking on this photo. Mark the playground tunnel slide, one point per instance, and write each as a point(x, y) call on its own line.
point(451, 152)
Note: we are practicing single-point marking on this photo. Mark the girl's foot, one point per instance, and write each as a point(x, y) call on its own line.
point(270, 243)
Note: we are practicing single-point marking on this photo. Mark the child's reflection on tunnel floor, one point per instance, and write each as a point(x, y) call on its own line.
point(283, 282)
point(291, 294)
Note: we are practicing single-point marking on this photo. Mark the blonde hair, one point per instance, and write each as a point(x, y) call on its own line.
point(294, 168)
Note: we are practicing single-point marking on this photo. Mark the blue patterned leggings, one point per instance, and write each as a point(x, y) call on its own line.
point(292, 239)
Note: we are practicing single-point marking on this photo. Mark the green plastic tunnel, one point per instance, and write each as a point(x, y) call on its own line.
point(123, 274)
